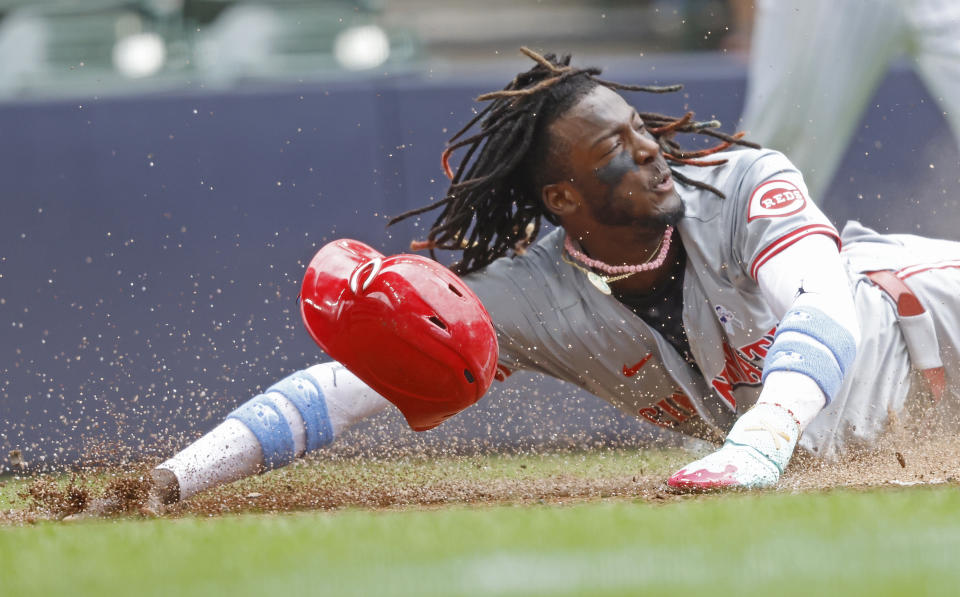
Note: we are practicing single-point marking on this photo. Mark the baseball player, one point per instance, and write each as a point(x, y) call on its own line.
point(702, 291)
point(815, 64)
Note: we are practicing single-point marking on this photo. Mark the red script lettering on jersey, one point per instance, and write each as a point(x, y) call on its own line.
point(774, 199)
point(669, 412)
point(743, 367)
point(631, 371)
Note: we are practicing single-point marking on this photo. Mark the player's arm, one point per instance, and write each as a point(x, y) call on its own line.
point(404, 330)
point(784, 242)
point(815, 345)
point(301, 413)
point(817, 338)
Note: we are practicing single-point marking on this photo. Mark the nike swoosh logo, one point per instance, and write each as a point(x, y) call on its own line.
point(631, 371)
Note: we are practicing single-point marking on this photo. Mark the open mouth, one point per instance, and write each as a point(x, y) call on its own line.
point(662, 181)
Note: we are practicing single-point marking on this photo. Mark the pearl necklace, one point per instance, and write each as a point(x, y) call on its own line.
point(622, 269)
point(618, 272)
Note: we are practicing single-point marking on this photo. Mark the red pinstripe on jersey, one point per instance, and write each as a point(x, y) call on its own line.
point(913, 270)
point(777, 246)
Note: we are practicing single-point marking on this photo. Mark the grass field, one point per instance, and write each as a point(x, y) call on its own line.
point(547, 541)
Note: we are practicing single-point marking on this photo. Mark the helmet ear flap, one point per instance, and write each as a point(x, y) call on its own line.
point(405, 325)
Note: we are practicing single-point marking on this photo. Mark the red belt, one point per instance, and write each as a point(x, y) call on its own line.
point(917, 337)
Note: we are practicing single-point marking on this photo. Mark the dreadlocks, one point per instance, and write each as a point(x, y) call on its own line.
point(493, 203)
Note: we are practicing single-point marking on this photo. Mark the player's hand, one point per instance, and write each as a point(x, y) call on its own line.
point(757, 449)
point(163, 490)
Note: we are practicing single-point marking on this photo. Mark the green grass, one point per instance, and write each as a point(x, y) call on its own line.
point(843, 543)
point(8, 492)
point(880, 542)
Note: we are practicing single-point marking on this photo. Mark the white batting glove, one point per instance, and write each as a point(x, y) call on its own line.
point(756, 451)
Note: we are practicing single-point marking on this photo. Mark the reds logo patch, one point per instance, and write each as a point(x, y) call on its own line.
point(774, 199)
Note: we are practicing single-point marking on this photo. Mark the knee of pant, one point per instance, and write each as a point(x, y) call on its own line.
point(305, 394)
point(271, 429)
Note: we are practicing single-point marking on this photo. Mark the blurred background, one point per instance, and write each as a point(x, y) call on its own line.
point(169, 166)
point(55, 48)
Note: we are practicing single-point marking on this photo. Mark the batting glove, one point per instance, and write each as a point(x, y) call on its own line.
point(757, 449)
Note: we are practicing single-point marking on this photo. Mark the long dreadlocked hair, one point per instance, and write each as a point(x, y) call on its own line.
point(493, 203)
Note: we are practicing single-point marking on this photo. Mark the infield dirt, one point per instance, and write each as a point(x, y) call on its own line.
point(915, 455)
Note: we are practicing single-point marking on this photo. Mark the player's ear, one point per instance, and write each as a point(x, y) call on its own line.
point(560, 199)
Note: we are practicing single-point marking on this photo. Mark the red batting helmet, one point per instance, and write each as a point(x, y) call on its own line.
point(405, 325)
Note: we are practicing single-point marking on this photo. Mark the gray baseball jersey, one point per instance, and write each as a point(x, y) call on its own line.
point(550, 318)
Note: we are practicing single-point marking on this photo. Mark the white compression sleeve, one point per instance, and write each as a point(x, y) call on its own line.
point(813, 265)
point(229, 452)
point(232, 450)
point(809, 273)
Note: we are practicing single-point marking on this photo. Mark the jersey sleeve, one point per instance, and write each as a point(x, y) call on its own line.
point(504, 289)
point(770, 211)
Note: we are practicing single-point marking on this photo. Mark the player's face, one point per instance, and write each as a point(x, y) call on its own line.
point(615, 163)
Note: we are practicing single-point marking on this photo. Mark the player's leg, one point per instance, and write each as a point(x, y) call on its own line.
point(303, 412)
point(936, 44)
point(814, 65)
point(911, 347)
point(932, 272)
